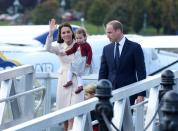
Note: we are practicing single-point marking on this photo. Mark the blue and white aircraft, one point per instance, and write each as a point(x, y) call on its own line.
point(25, 45)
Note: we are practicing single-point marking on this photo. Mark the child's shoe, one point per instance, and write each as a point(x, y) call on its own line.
point(69, 83)
point(79, 89)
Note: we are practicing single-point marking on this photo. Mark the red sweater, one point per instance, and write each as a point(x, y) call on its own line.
point(85, 51)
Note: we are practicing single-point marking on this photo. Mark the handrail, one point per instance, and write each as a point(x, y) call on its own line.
point(26, 93)
point(139, 104)
point(86, 106)
point(20, 110)
point(15, 72)
point(41, 99)
point(57, 117)
point(161, 69)
point(22, 94)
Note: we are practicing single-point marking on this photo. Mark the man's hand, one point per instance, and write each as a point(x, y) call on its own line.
point(139, 99)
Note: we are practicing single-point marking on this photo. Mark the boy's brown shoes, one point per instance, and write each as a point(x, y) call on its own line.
point(69, 83)
point(79, 89)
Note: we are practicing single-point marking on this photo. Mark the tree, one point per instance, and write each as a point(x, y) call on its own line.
point(137, 9)
point(120, 11)
point(5, 4)
point(169, 17)
point(28, 3)
point(68, 4)
point(97, 12)
point(45, 11)
point(82, 6)
point(154, 14)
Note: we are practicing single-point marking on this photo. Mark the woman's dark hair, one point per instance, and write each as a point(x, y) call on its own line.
point(60, 40)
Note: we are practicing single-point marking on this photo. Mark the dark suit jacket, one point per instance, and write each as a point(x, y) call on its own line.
point(131, 66)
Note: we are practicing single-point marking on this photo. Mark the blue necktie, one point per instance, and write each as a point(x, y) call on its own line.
point(117, 54)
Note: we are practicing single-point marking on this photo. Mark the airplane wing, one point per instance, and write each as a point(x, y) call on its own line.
point(32, 35)
point(24, 45)
point(160, 41)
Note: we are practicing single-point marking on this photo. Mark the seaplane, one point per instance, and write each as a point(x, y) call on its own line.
point(24, 44)
point(20, 45)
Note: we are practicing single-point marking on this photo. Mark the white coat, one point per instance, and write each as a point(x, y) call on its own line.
point(64, 96)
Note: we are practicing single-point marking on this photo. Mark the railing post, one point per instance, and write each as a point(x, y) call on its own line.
point(139, 115)
point(104, 107)
point(167, 82)
point(4, 93)
point(169, 109)
point(47, 100)
point(28, 107)
point(151, 108)
point(47, 103)
point(176, 87)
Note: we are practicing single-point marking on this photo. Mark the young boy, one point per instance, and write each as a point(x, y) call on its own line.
point(90, 93)
point(82, 59)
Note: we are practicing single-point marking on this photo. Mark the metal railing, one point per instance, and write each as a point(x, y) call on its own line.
point(163, 68)
point(10, 80)
point(119, 98)
point(122, 115)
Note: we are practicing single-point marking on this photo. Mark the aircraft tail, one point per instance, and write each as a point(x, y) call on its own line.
point(42, 38)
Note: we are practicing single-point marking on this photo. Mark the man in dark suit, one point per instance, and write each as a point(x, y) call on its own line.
point(123, 64)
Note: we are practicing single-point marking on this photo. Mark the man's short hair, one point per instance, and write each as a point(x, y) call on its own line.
point(116, 25)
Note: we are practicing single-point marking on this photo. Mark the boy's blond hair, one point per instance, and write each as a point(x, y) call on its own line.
point(91, 88)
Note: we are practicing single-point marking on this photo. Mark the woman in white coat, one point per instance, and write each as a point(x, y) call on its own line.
point(65, 96)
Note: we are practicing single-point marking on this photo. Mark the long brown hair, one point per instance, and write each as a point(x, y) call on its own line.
point(60, 40)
